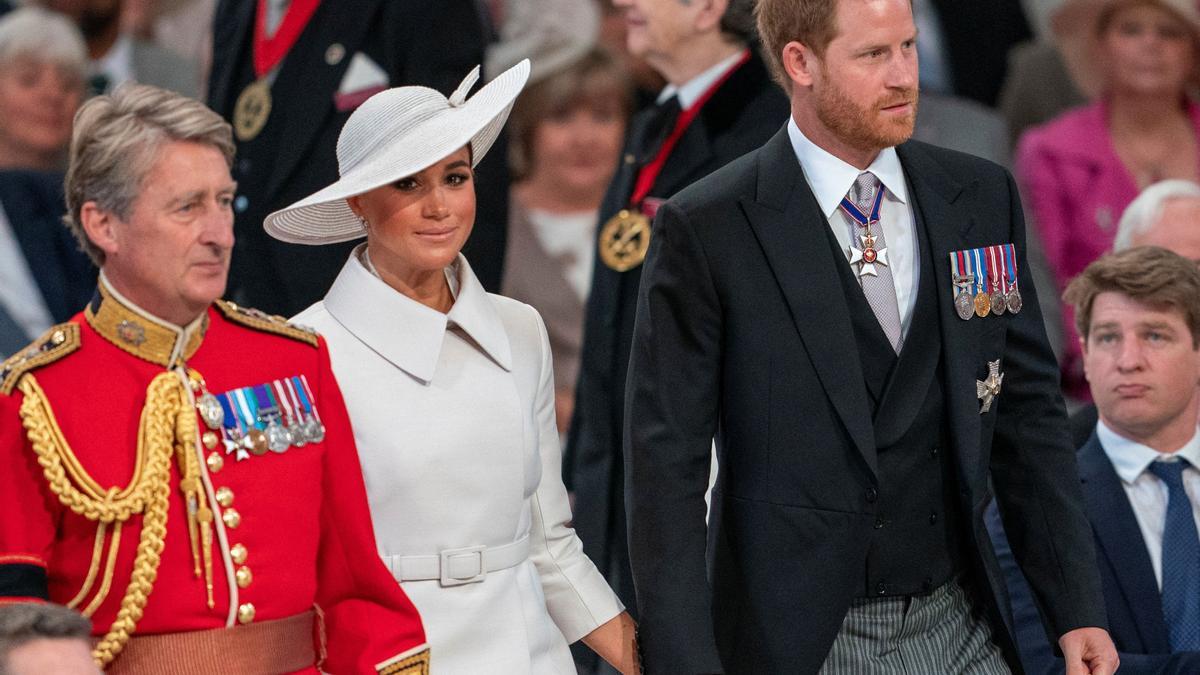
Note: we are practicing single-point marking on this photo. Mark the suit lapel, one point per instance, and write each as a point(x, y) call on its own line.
point(1118, 535)
point(24, 206)
point(693, 146)
point(790, 228)
point(305, 75)
point(948, 224)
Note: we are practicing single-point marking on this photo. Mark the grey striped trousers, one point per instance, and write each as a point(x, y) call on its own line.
point(933, 634)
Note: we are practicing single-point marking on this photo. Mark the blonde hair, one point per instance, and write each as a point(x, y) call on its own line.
point(117, 140)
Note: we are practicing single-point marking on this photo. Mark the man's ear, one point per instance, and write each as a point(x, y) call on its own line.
point(1083, 350)
point(710, 13)
point(799, 62)
point(101, 227)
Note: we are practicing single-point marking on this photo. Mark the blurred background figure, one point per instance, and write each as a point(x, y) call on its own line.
point(1040, 84)
point(42, 67)
point(290, 87)
point(117, 56)
point(963, 46)
point(171, 24)
point(44, 278)
point(45, 639)
point(1079, 171)
point(566, 134)
point(647, 81)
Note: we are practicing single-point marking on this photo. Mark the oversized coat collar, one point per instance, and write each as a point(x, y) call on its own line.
point(406, 333)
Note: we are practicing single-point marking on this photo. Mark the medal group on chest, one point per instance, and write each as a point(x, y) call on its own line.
point(985, 281)
point(273, 416)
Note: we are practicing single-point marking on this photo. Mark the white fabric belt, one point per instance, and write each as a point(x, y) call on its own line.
point(458, 566)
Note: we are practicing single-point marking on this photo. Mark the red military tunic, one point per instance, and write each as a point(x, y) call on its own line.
point(288, 530)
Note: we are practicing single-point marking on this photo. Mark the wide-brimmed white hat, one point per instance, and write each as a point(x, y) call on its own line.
point(396, 133)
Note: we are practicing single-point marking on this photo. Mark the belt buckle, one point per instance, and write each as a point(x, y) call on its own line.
point(445, 557)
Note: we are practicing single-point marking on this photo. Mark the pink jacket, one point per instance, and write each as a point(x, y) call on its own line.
point(1075, 188)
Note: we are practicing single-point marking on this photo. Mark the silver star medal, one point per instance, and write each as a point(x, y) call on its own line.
point(868, 257)
point(987, 390)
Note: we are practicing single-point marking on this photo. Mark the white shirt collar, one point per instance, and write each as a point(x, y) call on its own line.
point(691, 91)
point(408, 334)
point(117, 64)
point(831, 178)
point(1131, 459)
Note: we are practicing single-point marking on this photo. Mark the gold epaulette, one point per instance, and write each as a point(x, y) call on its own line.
point(54, 344)
point(416, 664)
point(268, 323)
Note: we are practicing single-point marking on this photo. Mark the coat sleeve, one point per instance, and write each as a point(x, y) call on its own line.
point(27, 532)
point(671, 411)
point(1033, 468)
point(370, 624)
point(577, 596)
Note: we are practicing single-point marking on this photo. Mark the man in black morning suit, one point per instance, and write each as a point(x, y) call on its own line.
point(856, 426)
point(740, 114)
point(348, 49)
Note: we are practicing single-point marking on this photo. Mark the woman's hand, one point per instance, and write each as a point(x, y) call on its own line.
point(615, 641)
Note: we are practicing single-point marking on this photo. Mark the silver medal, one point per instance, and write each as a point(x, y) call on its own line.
point(964, 305)
point(313, 429)
point(1014, 300)
point(278, 438)
point(210, 411)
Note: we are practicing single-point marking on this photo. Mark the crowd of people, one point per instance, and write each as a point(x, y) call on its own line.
point(745, 336)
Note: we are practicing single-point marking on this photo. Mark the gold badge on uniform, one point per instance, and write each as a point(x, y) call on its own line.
point(624, 240)
point(252, 109)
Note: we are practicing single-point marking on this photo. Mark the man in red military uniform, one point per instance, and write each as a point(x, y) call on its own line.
point(180, 469)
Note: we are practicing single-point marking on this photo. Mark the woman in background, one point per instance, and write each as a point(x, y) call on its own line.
point(1079, 171)
point(566, 133)
point(43, 62)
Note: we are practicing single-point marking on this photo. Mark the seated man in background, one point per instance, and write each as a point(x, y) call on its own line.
point(1138, 312)
point(40, 638)
point(1166, 214)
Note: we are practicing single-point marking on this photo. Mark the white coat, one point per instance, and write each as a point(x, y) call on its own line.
point(454, 419)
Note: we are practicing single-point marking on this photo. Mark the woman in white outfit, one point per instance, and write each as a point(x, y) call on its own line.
point(451, 393)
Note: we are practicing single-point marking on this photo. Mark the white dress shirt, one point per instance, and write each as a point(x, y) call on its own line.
point(1146, 492)
point(691, 91)
point(19, 292)
point(830, 180)
point(117, 64)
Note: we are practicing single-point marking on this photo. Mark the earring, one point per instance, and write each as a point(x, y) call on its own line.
point(365, 224)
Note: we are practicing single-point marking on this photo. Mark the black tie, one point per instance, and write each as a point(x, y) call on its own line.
point(658, 127)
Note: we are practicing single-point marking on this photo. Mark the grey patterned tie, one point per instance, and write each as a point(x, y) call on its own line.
point(880, 288)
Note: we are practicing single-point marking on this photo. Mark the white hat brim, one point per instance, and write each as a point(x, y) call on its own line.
point(324, 217)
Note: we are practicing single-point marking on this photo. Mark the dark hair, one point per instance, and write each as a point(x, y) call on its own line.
point(24, 622)
point(595, 77)
point(738, 21)
point(1150, 275)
